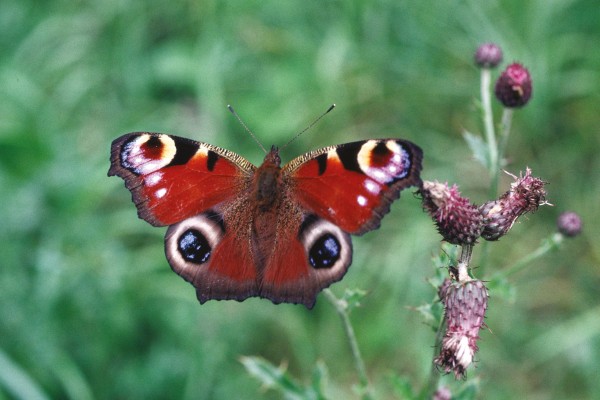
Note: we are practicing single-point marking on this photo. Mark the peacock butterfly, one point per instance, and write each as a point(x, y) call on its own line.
point(281, 233)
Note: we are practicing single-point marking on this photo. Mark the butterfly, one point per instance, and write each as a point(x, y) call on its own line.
point(282, 233)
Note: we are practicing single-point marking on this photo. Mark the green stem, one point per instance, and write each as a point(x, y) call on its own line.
point(488, 125)
point(505, 125)
point(434, 374)
point(463, 263)
point(484, 253)
point(547, 245)
point(342, 310)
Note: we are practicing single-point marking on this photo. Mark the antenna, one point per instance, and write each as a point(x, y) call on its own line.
point(331, 107)
point(246, 128)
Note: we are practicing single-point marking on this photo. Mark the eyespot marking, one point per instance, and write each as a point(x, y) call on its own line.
point(384, 161)
point(325, 251)
point(147, 153)
point(328, 248)
point(189, 244)
point(194, 247)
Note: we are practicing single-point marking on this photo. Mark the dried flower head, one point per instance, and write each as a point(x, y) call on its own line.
point(457, 219)
point(526, 194)
point(513, 87)
point(465, 305)
point(569, 224)
point(488, 55)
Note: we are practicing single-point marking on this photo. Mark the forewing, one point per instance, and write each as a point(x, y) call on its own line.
point(353, 184)
point(173, 178)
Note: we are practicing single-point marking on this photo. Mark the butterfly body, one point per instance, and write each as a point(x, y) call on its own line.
point(282, 233)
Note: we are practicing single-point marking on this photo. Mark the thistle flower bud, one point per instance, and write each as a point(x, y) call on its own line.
point(465, 305)
point(443, 393)
point(526, 194)
point(443, 289)
point(513, 87)
point(457, 220)
point(569, 224)
point(488, 55)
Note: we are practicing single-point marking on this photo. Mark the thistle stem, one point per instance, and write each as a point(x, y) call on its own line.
point(342, 310)
point(547, 245)
point(505, 126)
point(463, 263)
point(488, 125)
point(490, 136)
point(434, 374)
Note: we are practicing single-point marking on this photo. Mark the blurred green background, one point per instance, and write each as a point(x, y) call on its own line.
point(89, 307)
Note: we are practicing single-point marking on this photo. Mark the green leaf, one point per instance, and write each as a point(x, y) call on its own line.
point(319, 378)
point(469, 390)
point(501, 287)
point(447, 257)
point(352, 298)
point(271, 376)
point(432, 313)
point(478, 148)
point(277, 378)
point(17, 382)
point(403, 388)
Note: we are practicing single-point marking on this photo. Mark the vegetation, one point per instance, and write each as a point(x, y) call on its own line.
point(89, 307)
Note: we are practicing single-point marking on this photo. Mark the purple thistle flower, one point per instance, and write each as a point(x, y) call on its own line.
point(526, 194)
point(457, 219)
point(488, 55)
point(465, 304)
point(443, 393)
point(513, 87)
point(443, 289)
point(569, 224)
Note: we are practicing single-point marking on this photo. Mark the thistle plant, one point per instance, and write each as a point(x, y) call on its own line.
point(463, 225)
point(569, 224)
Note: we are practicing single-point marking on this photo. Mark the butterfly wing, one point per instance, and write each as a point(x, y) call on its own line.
point(187, 185)
point(336, 191)
point(310, 256)
point(353, 185)
point(213, 257)
point(173, 178)
point(223, 246)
